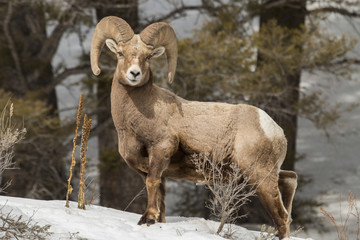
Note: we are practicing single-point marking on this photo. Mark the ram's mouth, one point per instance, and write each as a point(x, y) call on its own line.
point(132, 81)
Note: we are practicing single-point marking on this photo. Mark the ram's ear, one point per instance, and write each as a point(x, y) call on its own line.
point(111, 44)
point(158, 52)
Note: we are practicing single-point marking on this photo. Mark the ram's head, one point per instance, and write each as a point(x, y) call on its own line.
point(134, 50)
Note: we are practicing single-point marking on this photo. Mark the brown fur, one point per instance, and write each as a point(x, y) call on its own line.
point(158, 132)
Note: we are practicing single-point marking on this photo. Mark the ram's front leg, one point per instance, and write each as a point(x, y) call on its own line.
point(158, 162)
point(161, 200)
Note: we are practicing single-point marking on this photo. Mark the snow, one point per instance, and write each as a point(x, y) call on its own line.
point(105, 223)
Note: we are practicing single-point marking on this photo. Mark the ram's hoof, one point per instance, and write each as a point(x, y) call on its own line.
point(142, 221)
point(148, 221)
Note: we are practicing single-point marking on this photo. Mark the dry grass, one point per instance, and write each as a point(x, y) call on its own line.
point(83, 160)
point(73, 162)
point(84, 141)
point(229, 186)
point(11, 226)
point(341, 226)
point(270, 233)
point(267, 233)
point(9, 137)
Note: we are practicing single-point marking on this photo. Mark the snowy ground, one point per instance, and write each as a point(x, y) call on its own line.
point(99, 223)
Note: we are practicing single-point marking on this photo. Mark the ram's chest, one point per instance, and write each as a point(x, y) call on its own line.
point(133, 151)
point(146, 132)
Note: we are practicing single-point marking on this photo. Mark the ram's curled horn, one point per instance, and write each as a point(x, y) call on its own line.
point(163, 34)
point(109, 27)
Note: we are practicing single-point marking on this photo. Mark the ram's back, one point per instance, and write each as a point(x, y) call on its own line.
point(208, 126)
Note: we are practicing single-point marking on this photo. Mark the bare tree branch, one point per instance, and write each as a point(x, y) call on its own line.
point(12, 46)
point(176, 13)
point(52, 43)
point(81, 69)
point(338, 10)
point(348, 61)
point(281, 3)
point(95, 131)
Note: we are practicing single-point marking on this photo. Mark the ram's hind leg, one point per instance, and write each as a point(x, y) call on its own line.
point(270, 197)
point(287, 186)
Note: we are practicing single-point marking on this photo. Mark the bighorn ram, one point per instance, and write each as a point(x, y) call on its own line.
point(158, 132)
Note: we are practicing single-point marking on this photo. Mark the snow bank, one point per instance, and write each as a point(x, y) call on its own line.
point(105, 223)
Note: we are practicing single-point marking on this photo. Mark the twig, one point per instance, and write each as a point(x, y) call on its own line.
point(342, 227)
point(92, 199)
point(136, 196)
point(15, 227)
point(223, 180)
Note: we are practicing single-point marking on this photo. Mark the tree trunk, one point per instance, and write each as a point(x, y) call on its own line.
point(25, 35)
point(289, 14)
point(118, 184)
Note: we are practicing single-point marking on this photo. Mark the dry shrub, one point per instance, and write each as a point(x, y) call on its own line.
point(229, 185)
point(40, 157)
point(15, 227)
point(342, 225)
point(84, 146)
point(11, 226)
point(9, 137)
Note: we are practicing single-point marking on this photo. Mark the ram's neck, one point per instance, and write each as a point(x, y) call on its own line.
point(127, 102)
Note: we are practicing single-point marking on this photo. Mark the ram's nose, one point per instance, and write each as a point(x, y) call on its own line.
point(135, 73)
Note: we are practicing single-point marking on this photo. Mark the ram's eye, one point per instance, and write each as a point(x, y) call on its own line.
point(120, 54)
point(149, 57)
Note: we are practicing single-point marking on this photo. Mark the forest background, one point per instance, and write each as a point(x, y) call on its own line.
point(296, 59)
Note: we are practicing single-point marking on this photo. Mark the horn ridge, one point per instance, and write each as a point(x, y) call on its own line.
point(109, 27)
point(125, 31)
point(163, 34)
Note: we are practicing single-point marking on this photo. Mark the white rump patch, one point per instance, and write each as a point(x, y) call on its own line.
point(270, 128)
